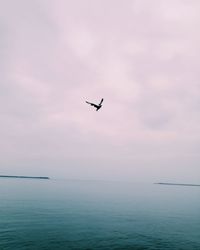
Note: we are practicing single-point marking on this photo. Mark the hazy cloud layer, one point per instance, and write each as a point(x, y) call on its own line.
point(142, 56)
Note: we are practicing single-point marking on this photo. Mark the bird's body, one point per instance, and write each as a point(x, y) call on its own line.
point(97, 106)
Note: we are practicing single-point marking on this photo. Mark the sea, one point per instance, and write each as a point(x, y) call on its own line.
point(87, 215)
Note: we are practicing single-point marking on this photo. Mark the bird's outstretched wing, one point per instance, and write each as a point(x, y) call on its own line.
point(101, 101)
point(92, 104)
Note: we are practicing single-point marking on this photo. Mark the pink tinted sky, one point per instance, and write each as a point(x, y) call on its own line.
point(141, 56)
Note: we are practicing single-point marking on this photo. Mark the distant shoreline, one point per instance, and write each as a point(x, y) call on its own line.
point(24, 177)
point(177, 184)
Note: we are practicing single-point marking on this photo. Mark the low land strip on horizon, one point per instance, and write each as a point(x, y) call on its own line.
point(177, 184)
point(28, 177)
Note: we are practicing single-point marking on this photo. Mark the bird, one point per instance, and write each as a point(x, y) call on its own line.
point(97, 106)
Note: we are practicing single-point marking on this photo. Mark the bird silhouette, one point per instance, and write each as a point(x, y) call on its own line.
point(97, 106)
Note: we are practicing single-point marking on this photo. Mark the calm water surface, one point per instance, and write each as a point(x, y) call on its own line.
point(57, 214)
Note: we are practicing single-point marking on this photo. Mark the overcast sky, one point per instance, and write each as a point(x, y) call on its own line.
point(141, 56)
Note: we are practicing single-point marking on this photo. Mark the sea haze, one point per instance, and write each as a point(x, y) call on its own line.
point(61, 214)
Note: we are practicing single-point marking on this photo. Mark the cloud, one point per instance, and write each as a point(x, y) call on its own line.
point(142, 57)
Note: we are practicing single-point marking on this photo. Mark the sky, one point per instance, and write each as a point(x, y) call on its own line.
point(141, 56)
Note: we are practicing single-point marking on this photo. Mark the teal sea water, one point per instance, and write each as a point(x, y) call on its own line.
point(62, 215)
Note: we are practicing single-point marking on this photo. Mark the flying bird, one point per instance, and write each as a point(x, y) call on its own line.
point(97, 106)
